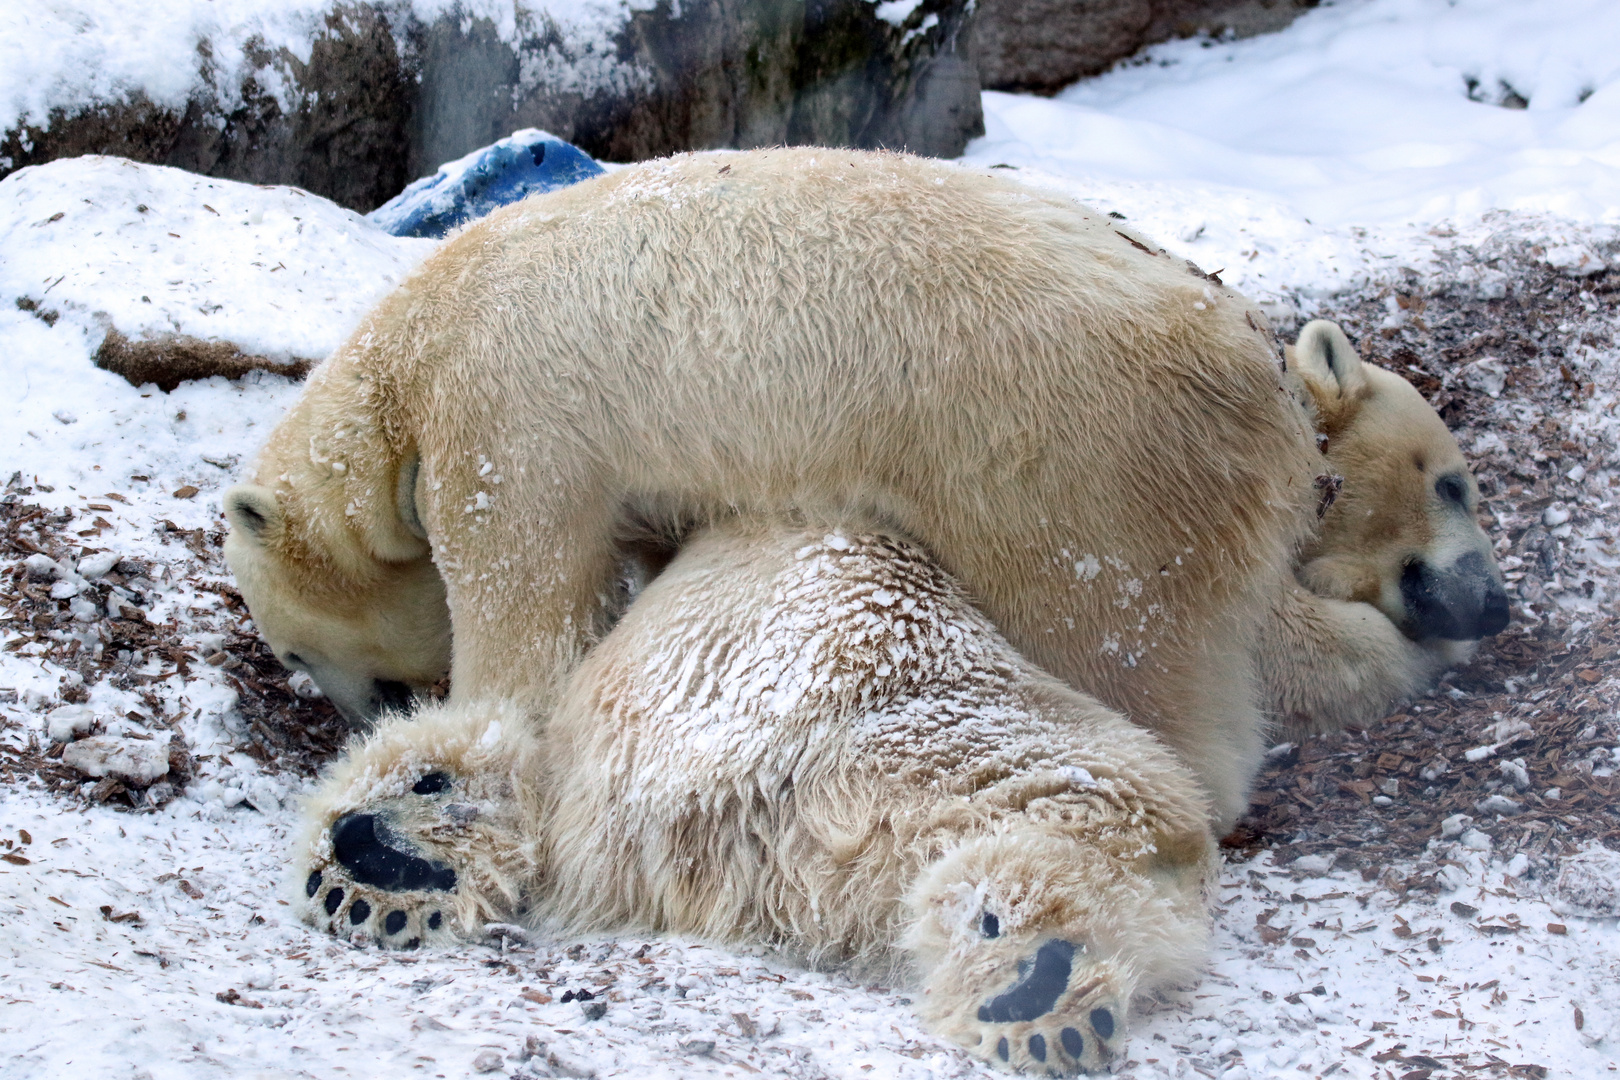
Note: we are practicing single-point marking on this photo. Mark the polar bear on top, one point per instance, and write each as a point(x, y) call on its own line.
point(802, 736)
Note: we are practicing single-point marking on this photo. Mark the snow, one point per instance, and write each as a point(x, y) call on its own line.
point(179, 253)
point(1317, 164)
point(1358, 114)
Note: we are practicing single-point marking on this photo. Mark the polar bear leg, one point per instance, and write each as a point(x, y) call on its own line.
point(1326, 663)
point(1030, 945)
point(424, 830)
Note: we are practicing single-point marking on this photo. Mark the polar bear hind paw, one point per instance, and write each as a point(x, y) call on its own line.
point(1058, 1017)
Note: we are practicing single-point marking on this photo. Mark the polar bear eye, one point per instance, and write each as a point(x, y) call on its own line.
point(1452, 489)
point(432, 784)
point(989, 925)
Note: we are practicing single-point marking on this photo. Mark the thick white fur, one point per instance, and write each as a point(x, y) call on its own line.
point(808, 737)
point(1090, 436)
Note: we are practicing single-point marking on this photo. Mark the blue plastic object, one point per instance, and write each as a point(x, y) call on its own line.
point(522, 164)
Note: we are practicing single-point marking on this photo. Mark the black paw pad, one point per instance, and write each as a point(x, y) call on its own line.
point(372, 862)
point(313, 885)
point(1037, 1047)
point(989, 925)
point(359, 912)
point(1102, 1022)
point(394, 923)
point(434, 920)
point(1001, 1048)
point(432, 783)
point(334, 900)
point(1073, 1044)
point(1039, 989)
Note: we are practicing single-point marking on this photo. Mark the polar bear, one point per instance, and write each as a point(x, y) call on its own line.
point(1400, 580)
point(1093, 437)
point(805, 737)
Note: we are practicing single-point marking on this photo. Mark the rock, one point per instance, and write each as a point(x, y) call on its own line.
point(594, 1010)
point(525, 163)
point(1044, 45)
point(136, 761)
point(1589, 884)
point(379, 97)
point(68, 722)
point(487, 1061)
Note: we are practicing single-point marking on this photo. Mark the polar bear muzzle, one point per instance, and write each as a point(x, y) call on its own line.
point(1460, 602)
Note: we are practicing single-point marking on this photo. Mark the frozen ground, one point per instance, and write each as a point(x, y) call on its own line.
point(1441, 947)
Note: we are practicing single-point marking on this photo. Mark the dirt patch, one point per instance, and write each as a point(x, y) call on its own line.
point(171, 359)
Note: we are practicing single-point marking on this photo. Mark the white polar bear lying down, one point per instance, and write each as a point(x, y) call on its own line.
point(808, 738)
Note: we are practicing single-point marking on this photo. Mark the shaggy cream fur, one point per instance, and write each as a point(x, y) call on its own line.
point(806, 737)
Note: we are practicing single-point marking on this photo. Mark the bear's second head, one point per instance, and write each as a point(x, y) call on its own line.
point(1402, 535)
point(372, 629)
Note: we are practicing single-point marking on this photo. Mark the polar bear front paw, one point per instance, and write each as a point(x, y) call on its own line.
point(1060, 1015)
point(373, 886)
point(425, 832)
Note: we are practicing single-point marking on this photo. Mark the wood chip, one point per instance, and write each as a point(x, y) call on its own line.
point(186, 492)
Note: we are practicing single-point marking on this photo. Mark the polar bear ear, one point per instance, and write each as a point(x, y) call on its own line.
point(254, 511)
point(1325, 357)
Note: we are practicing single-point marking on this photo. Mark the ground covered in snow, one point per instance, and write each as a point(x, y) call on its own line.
point(1432, 897)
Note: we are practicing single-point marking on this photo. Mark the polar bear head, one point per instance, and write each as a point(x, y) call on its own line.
point(1402, 534)
point(371, 628)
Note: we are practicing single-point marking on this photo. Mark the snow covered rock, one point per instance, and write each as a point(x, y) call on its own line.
point(1589, 884)
point(68, 722)
point(524, 163)
point(138, 761)
point(1488, 376)
point(352, 100)
point(192, 277)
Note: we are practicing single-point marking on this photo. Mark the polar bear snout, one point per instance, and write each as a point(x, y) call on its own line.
point(1462, 602)
point(363, 850)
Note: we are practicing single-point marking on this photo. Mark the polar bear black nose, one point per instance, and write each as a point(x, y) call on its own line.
point(1461, 602)
point(370, 861)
